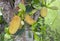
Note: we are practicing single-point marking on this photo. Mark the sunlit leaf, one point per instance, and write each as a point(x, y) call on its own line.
point(32, 12)
point(51, 2)
point(37, 6)
point(22, 7)
point(53, 8)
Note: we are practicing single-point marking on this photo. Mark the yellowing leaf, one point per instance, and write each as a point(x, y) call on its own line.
point(29, 20)
point(43, 12)
point(14, 24)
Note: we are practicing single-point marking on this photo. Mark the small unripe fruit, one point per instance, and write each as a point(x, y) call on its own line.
point(43, 12)
point(14, 24)
point(29, 20)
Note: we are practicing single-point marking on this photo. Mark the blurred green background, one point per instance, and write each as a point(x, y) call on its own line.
point(53, 17)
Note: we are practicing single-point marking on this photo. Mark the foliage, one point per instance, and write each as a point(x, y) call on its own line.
point(44, 33)
point(45, 28)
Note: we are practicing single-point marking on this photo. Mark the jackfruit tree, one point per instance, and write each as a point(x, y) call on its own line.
point(29, 20)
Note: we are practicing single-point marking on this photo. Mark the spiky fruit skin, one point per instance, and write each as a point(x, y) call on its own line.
point(14, 24)
point(29, 20)
point(43, 12)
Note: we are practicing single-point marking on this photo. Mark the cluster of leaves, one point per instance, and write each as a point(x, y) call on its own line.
point(44, 32)
point(37, 4)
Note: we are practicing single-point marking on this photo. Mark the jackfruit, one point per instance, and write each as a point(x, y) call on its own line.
point(15, 24)
point(43, 12)
point(29, 20)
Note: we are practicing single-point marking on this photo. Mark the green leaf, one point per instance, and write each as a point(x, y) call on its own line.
point(1, 19)
point(2, 37)
point(35, 1)
point(43, 2)
point(37, 6)
point(20, 13)
point(6, 30)
point(53, 8)
point(51, 2)
point(36, 37)
point(7, 36)
point(22, 7)
point(32, 12)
